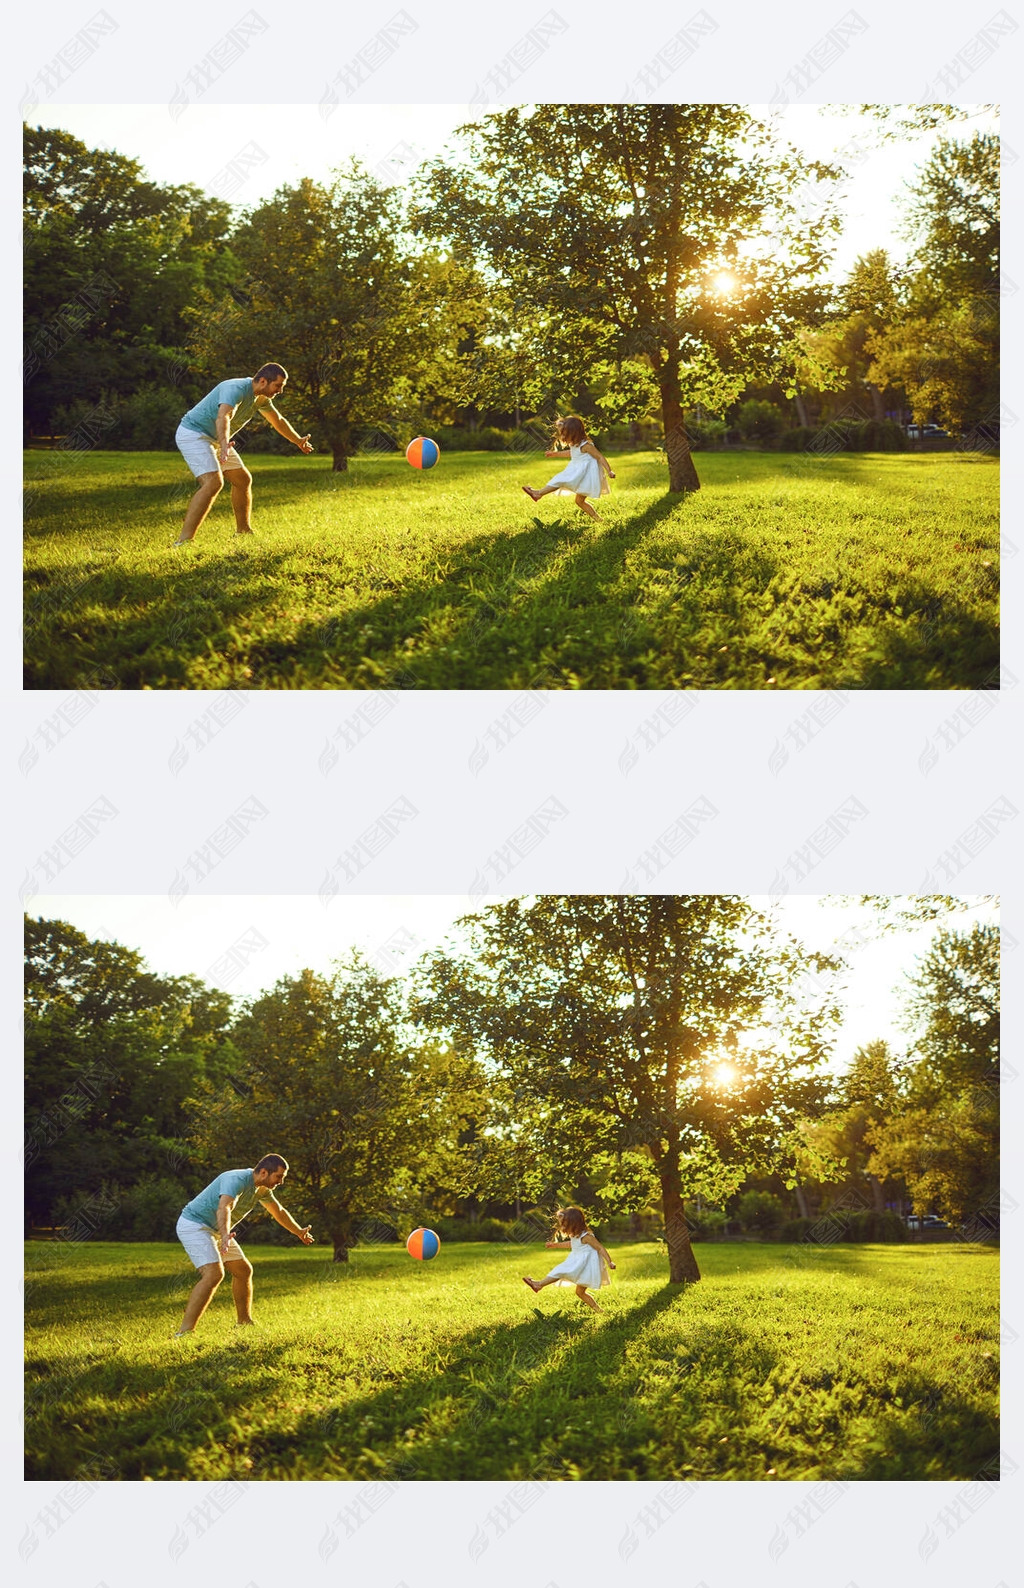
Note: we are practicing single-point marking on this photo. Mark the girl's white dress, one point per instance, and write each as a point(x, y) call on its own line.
point(582, 476)
point(583, 1266)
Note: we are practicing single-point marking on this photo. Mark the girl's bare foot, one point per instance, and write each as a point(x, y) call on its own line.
point(532, 1284)
point(532, 494)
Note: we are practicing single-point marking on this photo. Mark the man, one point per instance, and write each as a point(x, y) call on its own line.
point(204, 441)
point(204, 1229)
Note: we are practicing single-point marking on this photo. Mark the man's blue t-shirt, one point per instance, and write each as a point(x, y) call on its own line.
point(239, 1183)
point(203, 417)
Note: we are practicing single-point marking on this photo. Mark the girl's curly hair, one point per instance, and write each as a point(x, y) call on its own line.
point(571, 429)
point(571, 1221)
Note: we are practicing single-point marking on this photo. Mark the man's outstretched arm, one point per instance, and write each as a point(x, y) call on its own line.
point(283, 428)
point(286, 1221)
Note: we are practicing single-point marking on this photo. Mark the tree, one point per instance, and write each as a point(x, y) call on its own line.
point(112, 1052)
point(328, 1079)
point(869, 304)
point(654, 1028)
point(839, 1146)
point(944, 348)
point(333, 289)
point(909, 121)
point(943, 1138)
point(658, 244)
point(112, 261)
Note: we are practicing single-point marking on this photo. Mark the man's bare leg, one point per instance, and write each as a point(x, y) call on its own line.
point(241, 1288)
point(207, 492)
point(240, 481)
point(210, 1276)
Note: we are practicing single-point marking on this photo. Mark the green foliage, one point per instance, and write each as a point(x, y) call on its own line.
point(845, 435)
point(145, 420)
point(707, 434)
point(943, 347)
point(707, 1225)
point(112, 264)
point(484, 1229)
point(333, 289)
point(112, 1054)
point(759, 1212)
point(607, 1015)
point(943, 1138)
point(850, 572)
point(759, 421)
point(328, 1077)
point(840, 1364)
point(149, 1209)
point(605, 225)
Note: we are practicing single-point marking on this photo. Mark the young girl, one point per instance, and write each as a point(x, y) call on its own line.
point(587, 1265)
point(586, 474)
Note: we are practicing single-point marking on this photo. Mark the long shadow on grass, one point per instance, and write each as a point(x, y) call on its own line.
point(482, 1417)
point(498, 589)
point(139, 628)
point(148, 1416)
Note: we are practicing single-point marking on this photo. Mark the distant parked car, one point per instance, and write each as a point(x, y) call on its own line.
point(926, 432)
point(926, 1221)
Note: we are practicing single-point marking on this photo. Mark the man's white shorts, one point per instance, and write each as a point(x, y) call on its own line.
point(202, 1246)
point(200, 453)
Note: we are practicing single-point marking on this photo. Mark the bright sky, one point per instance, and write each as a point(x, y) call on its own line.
point(244, 943)
point(244, 153)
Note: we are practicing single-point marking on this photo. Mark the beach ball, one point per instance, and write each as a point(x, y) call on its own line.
point(422, 454)
point(423, 1244)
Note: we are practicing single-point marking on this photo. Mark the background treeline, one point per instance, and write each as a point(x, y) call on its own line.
point(483, 298)
point(558, 1055)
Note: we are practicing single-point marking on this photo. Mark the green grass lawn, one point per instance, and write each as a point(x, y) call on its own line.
point(855, 572)
point(841, 1363)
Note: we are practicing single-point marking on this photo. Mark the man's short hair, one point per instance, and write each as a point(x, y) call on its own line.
point(270, 372)
point(271, 1160)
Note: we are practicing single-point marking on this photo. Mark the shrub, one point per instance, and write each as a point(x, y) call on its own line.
point(92, 1215)
point(148, 420)
point(643, 435)
point(759, 421)
point(707, 435)
point(796, 1229)
point(798, 439)
point(463, 1229)
point(760, 1212)
point(149, 1209)
point(844, 435)
point(707, 1225)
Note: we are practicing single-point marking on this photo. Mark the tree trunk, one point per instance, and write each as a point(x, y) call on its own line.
point(877, 410)
point(342, 1240)
point(801, 413)
point(682, 1265)
point(682, 476)
point(801, 1202)
point(340, 456)
point(877, 1195)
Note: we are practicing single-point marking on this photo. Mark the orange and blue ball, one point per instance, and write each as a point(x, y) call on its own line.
point(422, 454)
point(423, 1244)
